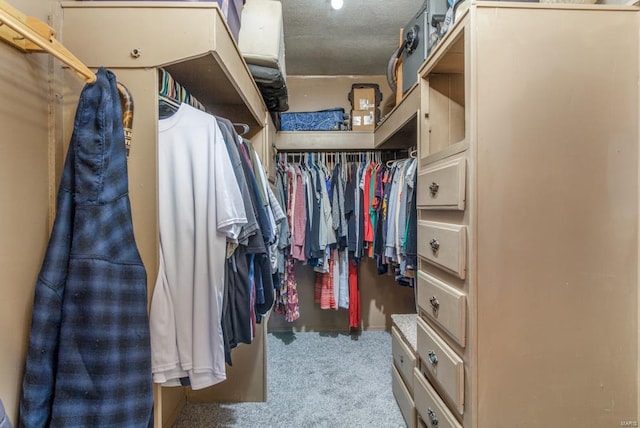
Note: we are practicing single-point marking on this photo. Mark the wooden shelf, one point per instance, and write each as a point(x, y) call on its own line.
point(398, 129)
point(448, 55)
point(189, 39)
point(324, 140)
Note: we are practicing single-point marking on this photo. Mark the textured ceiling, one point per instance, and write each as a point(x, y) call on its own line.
point(357, 39)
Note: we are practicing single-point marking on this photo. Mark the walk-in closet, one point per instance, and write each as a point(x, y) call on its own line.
point(320, 213)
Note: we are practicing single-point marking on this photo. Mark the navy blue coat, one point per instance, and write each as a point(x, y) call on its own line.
point(89, 358)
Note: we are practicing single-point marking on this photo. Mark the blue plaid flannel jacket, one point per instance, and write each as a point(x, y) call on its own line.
point(89, 358)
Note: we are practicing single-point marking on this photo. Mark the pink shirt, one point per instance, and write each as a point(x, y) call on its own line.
point(299, 219)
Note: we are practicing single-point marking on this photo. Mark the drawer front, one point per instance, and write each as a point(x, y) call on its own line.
point(442, 185)
point(443, 304)
point(444, 245)
point(404, 399)
point(432, 411)
point(403, 358)
point(441, 364)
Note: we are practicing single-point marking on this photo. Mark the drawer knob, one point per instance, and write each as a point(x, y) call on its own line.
point(433, 358)
point(433, 418)
point(433, 189)
point(401, 359)
point(434, 303)
point(435, 245)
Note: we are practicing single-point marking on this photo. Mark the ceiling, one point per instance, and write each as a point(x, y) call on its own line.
point(358, 39)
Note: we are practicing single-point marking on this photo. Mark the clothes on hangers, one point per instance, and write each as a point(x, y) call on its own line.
point(173, 90)
point(336, 216)
point(219, 224)
point(200, 206)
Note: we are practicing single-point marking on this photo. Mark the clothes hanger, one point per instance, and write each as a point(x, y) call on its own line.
point(170, 101)
point(167, 106)
point(245, 128)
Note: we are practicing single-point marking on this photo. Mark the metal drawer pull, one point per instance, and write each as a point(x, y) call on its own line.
point(434, 303)
point(433, 188)
point(401, 359)
point(433, 418)
point(435, 245)
point(433, 358)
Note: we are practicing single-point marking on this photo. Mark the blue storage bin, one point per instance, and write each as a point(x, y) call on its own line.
point(323, 120)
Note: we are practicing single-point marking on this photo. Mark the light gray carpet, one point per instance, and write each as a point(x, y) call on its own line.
point(314, 380)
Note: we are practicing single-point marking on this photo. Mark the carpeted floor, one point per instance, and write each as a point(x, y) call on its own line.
point(314, 380)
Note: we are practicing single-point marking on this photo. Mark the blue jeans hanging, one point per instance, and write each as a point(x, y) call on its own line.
point(89, 358)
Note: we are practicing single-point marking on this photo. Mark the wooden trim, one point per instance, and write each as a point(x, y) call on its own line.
point(556, 6)
point(400, 119)
point(324, 140)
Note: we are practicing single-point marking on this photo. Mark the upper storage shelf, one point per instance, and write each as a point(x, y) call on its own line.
point(324, 140)
point(444, 90)
point(398, 130)
point(189, 39)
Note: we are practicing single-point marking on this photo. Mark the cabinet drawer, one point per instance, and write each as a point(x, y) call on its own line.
point(403, 357)
point(404, 398)
point(441, 364)
point(444, 245)
point(442, 185)
point(443, 304)
point(432, 411)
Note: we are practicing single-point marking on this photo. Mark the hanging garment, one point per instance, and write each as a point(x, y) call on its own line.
point(4, 419)
point(236, 313)
point(261, 281)
point(200, 207)
point(324, 288)
point(350, 207)
point(89, 362)
point(343, 263)
point(284, 233)
point(354, 297)
point(335, 276)
point(230, 138)
point(291, 309)
point(299, 219)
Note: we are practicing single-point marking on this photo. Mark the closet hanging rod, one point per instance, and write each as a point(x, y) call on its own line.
point(29, 34)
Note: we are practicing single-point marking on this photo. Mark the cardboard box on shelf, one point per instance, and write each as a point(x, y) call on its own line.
point(364, 99)
point(363, 120)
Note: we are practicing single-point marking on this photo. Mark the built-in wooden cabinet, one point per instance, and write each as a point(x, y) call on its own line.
point(528, 219)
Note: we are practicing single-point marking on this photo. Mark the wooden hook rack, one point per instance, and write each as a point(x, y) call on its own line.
point(29, 34)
